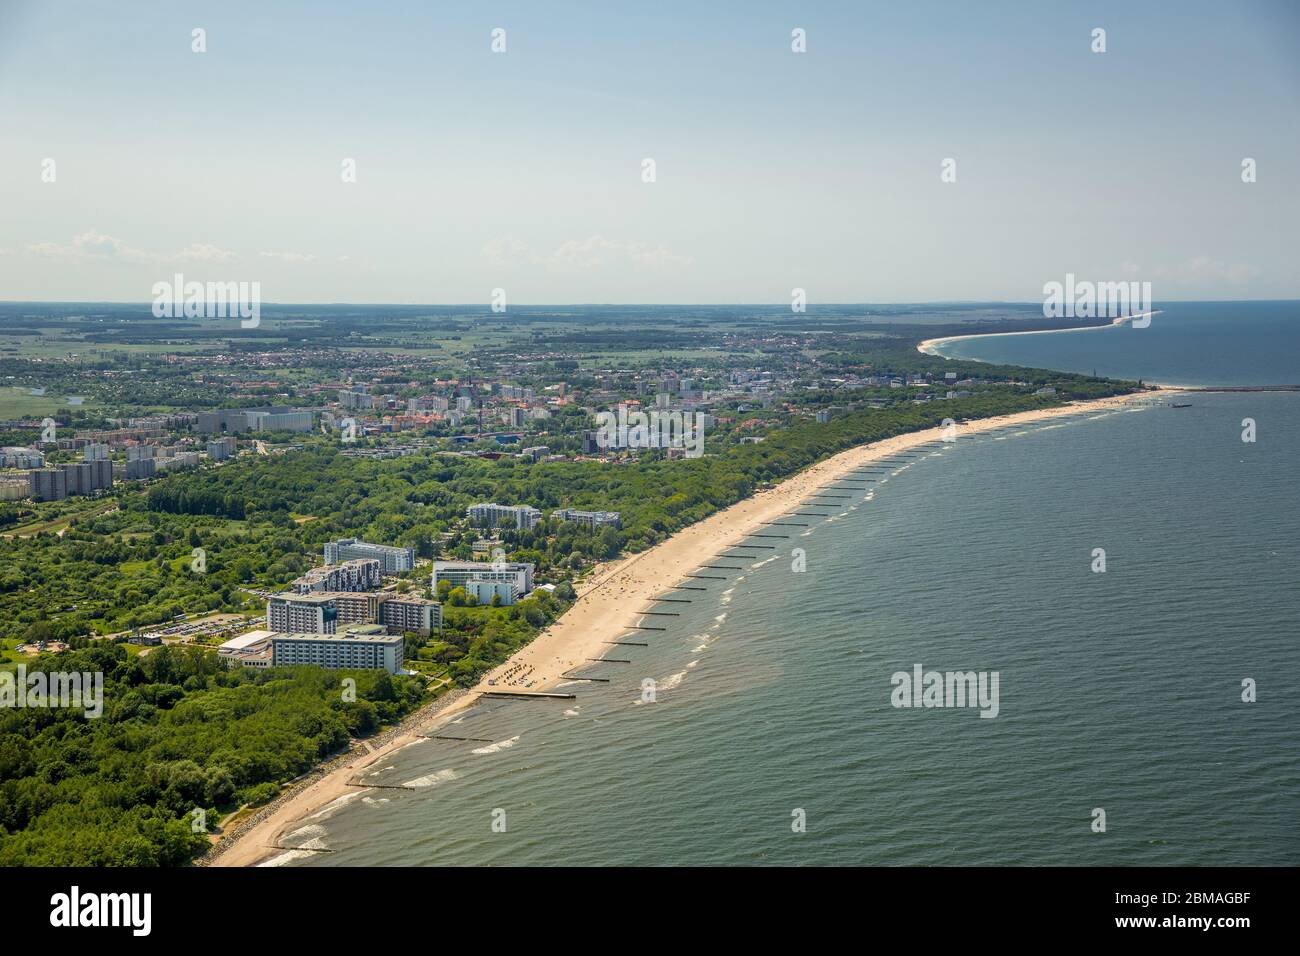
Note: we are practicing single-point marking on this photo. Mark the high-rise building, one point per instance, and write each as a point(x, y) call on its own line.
point(315, 613)
point(392, 560)
point(458, 573)
point(221, 449)
point(592, 519)
point(47, 484)
point(101, 472)
point(141, 467)
point(362, 574)
point(357, 646)
point(13, 457)
point(401, 614)
point(489, 515)
point(80, 480)
point(355, 399)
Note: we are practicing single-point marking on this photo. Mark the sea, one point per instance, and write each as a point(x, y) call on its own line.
point(1122, 585)
point(1187, 343)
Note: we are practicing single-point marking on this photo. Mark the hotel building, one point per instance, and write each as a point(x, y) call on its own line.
point(391, 560)
point(489, 515)
point(458, 573)
point(364, 574)
point(357, 646)
point(592, 519)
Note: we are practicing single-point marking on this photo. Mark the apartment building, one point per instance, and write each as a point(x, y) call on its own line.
point(401, 614)
point(14, 457)
point(489, 515)
point(361, 574)
point(327, 612)
point(47, 484)
point(458, 573)
point(357, 646)
point(591, 519)
point(392, 560)
point(315, 613)
point(221, 449)
point(484, 592)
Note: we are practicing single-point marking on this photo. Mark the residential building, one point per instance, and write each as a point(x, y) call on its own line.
point(490, 515)
point(141, 467)
point(12, 457)
point(459, 572)
point(221, 449)
point(357, 646)
point(279, 420)
point(315, 613)
point(14, 487)
point(484, 592)
point(400, 614)
point(47, 484)
point(354, 400)
point(392, 560)
point(269, 418)
point(361, 574)
point(592, 519)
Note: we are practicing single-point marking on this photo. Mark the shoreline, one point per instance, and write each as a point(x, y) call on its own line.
point(603, 610)
point(931, 346)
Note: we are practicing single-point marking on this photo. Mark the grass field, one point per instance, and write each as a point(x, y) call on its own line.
point(20, 403)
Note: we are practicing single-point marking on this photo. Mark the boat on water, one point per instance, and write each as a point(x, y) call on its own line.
point(1180, 404)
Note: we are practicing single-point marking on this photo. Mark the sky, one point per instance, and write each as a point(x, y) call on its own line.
point(523, 170)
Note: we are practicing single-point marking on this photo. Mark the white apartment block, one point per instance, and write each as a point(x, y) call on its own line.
point(359, 647)
point(518, 573)
point(328, 612)
point(315, 613)
point(489, 515)
point(484, 591)
point(592, 519)
point(403, 614)
point(392, 560)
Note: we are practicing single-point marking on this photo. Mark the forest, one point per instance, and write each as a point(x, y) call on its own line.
point(179, 734)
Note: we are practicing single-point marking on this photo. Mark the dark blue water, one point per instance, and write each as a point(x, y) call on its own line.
point(1189, 343)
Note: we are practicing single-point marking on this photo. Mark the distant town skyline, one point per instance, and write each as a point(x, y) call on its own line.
point(337, 154)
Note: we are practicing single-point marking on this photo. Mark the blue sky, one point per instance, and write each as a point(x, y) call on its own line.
point(522, 170)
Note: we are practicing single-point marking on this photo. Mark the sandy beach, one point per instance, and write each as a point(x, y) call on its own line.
point(608, 603)
point(931, 346)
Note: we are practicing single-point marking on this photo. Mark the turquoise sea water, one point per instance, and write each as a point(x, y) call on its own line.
point(1118, 690)
point(1188, 343)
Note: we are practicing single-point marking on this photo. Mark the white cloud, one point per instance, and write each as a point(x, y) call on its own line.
point(97, 246)
point(89, 245)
